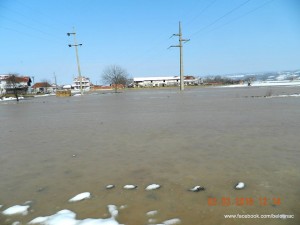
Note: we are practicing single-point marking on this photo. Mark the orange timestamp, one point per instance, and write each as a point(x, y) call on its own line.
point(241, 201)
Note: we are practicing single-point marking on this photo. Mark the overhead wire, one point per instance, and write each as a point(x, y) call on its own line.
point(30, 27)
point(243, 15)
point(221, 17)
point(189, 22)
point(51, 35)
point(211, 3)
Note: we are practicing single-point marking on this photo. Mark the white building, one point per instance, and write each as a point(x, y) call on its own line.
point(3, 83)
point(164, 81)
point(21, 83)
point(85, 83)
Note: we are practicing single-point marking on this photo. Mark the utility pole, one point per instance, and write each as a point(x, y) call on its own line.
point(55, 80)
point(77, 58)
point(181, 55)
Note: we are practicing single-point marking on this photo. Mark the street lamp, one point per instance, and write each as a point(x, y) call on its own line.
point(77, 58)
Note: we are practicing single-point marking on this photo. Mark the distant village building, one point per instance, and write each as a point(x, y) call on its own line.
point(22, 83)
point(85, 83)
point(44, 87)
point(164, 81)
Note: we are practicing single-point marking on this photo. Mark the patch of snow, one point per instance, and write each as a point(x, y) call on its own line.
point(283, 96)
point(113, 210)
point(81, 196)
point(281, 77)
point(265, 84)
point(39, 96)
point(11, 98)
point(17, 209)
point(67, 217)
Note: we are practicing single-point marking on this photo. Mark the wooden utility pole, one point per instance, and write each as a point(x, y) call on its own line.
point(181, 55)
point(77, 58)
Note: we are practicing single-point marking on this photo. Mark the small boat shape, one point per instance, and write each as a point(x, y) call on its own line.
point(130, 186)
point(197, 189)
point(110, 186)
point(240, 186)
point(152, 187)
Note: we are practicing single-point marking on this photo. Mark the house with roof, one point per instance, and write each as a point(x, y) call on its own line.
point(8, 85)
point(81, 82)
point(43, 87)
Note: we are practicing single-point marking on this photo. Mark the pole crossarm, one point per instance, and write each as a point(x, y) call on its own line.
point(181, 55)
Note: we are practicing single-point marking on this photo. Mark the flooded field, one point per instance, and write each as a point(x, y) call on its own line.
point(54, 148)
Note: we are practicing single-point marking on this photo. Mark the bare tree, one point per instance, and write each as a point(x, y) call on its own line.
point(116, 76)
point(12, 84)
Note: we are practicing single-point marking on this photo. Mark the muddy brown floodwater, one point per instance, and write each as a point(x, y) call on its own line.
point(213, 137)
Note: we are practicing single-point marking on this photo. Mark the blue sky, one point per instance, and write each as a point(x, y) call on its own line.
point(227, 36)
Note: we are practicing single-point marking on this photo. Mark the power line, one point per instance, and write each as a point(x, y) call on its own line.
point(30, 27)
point(201, 12)
point(246, 14)
point(221, 17)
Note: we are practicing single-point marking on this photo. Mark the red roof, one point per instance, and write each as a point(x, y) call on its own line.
point(19, 79)
point(41, 84)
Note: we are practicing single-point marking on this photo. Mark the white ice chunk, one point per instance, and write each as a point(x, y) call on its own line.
point(240, 185)
point(152, 187)
point(63, 217)
point(39, 220)
point(113, 211)
point(130, 186)
point(110, 186)
point(17, 209)
point(152, 221)
point(123, 206)
point(79, 197)
point(152, 213)
point(172, 221)
point(1, 206)
point(16, 223)
point(67, 217)
point(197, 189)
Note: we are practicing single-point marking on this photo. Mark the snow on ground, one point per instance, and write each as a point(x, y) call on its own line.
point(39, 96)
point(283, 96)
point(267, 84)
point(10, 98)
point(67, 217)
